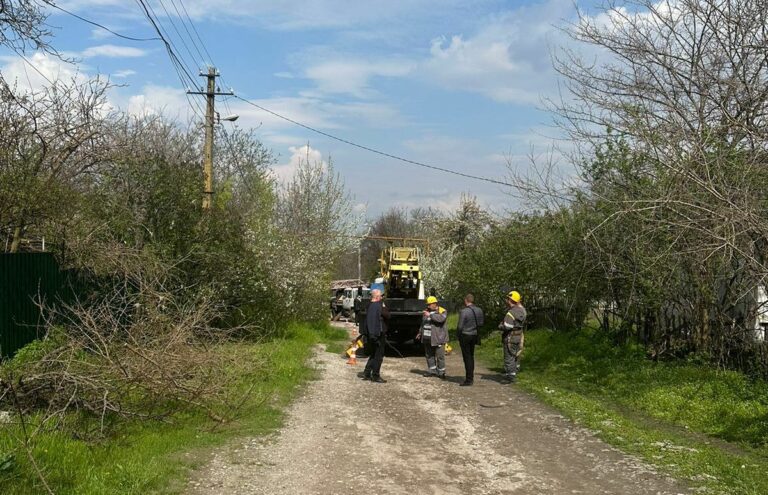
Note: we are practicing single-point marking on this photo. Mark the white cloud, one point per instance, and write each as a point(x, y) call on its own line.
point(40, 72)
point(300, 14)
point(507, 60)
point(353, 76)
point(448, 205)
point(157, 100)
point(123, 73)
point(299, 154)
point(113, 51)
point(314, 112)
point(100, 34)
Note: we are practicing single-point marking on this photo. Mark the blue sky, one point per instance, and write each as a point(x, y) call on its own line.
point(455, 83)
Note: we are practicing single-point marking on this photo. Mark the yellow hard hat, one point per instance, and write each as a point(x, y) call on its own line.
point(431, 300)
point(514, 295)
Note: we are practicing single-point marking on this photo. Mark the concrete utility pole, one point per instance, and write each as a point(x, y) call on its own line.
point(210, 119)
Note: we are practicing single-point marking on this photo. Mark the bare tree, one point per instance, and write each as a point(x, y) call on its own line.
point(49, 143)
point(668, 101)
point(22, 25)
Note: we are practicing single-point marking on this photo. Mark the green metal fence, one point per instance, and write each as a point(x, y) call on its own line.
point(24, 279)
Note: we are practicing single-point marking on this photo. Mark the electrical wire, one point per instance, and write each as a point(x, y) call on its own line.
point(199, 38)
point(225, 100)
point(184, 24)
point(34, 67)
point(183, 72)
point(373, 150)
point(166, 39)
point(180, 62)
point(178, 33)
point(94, 23)
point(181, 69)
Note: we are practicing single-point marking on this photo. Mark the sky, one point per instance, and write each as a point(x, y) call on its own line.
point(459, 84)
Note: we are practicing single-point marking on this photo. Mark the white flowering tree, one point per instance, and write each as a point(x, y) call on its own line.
point(316, 223)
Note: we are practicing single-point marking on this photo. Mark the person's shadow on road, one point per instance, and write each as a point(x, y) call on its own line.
point(425, 374)
point(495, 377)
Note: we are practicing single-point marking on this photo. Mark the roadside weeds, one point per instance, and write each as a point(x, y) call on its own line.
point(647, 410)
point(141, 457)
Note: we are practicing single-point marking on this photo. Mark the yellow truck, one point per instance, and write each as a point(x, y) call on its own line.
point(400, 279)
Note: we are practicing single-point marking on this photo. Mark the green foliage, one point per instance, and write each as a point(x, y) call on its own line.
point(706, 425)
point(541, 256)
point(146, 456)
point(31, 353)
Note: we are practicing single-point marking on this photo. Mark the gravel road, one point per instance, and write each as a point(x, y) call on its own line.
point(417, 435)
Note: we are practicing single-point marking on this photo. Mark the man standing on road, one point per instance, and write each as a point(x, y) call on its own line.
point(434, 335)
point(512, 338)
point(470, 320)
point(375, 335)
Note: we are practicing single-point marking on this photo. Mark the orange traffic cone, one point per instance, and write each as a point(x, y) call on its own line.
point(352, 351)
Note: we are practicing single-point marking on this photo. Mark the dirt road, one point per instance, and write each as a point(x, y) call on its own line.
point(417, 435)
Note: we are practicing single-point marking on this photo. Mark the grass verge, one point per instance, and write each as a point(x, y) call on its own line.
point(155, 457)
point(699, 424)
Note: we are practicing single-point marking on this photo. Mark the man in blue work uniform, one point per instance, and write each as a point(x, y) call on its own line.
point(512, 338)
point(434, 335)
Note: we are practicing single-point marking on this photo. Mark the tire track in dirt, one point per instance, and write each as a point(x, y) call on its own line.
point(417, 435)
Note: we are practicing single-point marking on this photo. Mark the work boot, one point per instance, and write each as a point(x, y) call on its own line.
point(378, 379)
point(366, 376)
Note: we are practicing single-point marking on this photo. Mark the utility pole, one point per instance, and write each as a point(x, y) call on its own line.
point(210, 93)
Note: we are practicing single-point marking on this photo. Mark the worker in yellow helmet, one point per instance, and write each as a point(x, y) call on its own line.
point(512, 338)
point(434, 334)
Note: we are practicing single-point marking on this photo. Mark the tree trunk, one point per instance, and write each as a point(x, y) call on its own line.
point(16, 239)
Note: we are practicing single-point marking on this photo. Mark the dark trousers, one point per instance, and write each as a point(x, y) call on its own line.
point(375, 351)
point(467, 344)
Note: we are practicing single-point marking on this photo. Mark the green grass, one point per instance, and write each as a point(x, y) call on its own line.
point(700, 424)
point(143, 457)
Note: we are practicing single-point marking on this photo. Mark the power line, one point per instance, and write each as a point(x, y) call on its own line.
point(169, 45)
point(28, 62)
point(199, 38)
point(180, 68)
point(130, 38)
point(342, 140)
point(189, 21)
point(373, 150)
point(177, 65)
point(182, 71)
point(184, 24)
point(175, 28)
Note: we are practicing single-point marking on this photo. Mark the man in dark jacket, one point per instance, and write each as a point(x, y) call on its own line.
point(376, 330)
point(470, 320)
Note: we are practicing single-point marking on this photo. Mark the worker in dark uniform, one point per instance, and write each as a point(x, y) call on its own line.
point(512, 338)
point(470, 320)
point(375, 335)
point(434, 334)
